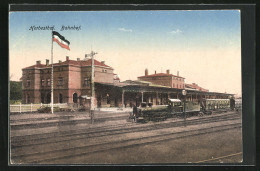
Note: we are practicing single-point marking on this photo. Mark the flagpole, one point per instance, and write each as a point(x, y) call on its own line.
point(51, 72)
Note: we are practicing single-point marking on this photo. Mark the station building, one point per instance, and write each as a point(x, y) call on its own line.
point(72, 85)
point(70, 80)
point(165, 79)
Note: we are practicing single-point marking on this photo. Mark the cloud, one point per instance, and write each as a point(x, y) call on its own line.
point(125, 30)
point(177, 31)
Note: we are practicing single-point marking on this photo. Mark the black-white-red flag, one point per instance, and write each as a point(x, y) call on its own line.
point(60, 40)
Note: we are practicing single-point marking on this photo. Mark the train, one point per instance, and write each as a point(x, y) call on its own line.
point(175, 107)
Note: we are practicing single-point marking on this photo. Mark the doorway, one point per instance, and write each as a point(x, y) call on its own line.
point(75, 98)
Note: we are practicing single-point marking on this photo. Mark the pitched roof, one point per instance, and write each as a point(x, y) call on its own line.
point(143, 83)
point(82, 63)
point(160, 75)
point(195, 86)
point(71, 62)
point(35, 66)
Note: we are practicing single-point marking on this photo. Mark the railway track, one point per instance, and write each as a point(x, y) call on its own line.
point(221, 158)
point(59, 151)
point(56, 156)
point(22, 141)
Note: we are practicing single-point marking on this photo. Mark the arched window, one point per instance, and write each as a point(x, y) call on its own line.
point(60, 98)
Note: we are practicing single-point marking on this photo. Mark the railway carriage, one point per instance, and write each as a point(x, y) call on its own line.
point(215, 104)
point(238, 105)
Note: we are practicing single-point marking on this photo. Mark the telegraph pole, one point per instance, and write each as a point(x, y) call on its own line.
point(92, 106)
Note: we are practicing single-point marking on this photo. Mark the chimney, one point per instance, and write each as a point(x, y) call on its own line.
point(78, 59)
point(146, 72)
point(67, 58)
point(168, 71)
point(103, 62)
point(59, 61)
point(177, 73)
point(47, 62)
point(38, 62)
point(155, 72)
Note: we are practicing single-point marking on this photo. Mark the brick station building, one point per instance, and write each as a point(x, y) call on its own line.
point(72, 83)
point(71, 79)
point(165, 79)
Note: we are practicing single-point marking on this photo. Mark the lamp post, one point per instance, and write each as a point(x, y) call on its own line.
point(184, 92)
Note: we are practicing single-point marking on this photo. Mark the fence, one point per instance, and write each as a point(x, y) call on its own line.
point(33, 107)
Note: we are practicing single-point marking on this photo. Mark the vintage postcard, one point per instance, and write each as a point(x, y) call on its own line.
point(125, 87)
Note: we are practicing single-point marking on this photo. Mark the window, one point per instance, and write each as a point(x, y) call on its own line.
point(173, 85)
point(86, 81)
point(60, 81)
point(177, 85)
point(104, 70)
point(60, 98)
point(48, 82)
point(28, 83)
point(42, 82)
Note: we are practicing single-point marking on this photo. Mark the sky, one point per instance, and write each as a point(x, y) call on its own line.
point(203, 45)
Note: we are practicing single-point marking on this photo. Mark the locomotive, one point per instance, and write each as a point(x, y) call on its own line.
point(175, 107)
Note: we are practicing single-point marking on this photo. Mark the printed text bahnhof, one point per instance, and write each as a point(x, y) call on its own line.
point(38, 28)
